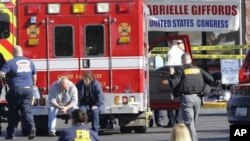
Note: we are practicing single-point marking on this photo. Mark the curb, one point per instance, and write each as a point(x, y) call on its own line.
point(216, 104)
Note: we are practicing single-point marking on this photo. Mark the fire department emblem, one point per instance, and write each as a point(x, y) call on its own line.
point(32, 31)
point(124, 29)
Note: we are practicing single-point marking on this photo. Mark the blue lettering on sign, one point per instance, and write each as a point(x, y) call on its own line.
point(160, 23)
point(178, 23)
point(212, 23)
point(183, 23)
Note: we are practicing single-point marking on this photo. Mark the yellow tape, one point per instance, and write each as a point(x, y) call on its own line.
point(160, 49)
point(195, 48)
point(162, 55)
point(227, 47)
point(209, 56)
point(217, 56)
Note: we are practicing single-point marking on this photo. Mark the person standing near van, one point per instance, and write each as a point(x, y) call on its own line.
point(21, 74)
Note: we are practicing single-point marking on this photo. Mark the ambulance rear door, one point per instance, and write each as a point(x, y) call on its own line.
point(63, 50)
point(95, 46)
point(78, 44)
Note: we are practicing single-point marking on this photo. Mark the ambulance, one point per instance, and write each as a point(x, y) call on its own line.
point(68, 38)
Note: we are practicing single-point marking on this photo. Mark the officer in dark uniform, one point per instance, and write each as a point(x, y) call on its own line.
point(78, 131)
point(21, 74)
point(189, 82)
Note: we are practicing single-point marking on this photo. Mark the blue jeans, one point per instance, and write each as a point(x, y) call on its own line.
point(52, 117)
point(159, 117)
point(95, 115)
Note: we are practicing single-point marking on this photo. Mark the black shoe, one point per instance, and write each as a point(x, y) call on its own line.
point(32, 134)
point(10, 138)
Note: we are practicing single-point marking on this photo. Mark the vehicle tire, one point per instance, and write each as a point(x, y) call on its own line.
point(140, 129)
point(41, 123)
point(124, 129)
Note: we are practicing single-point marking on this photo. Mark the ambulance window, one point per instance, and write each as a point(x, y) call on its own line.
point(4, 25)
point(63, 41)
point(94, 37)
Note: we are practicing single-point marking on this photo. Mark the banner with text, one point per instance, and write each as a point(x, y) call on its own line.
point(193, 15)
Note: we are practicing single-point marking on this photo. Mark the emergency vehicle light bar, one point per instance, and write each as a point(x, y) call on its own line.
point(54, 8)
point(32, 9)
point(78, 8)
point(102, 7)
point(123, 8)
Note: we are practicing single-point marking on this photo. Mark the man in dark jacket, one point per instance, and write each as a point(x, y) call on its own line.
point(91, 98)
point(78, 131)
point(189, 82)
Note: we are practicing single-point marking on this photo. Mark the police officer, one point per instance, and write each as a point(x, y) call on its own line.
point(189, 82)
point(79, 130)
point(21, 74)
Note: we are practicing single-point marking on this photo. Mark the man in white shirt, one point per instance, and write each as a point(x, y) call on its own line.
point(174, 55)
point(174, 59)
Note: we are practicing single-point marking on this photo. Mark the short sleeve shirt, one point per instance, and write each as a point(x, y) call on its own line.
point(19, 71)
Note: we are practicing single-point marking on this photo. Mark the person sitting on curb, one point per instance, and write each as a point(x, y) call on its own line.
point(62, 98)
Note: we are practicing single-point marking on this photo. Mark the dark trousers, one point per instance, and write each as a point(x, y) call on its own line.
point(94, 115)
point(174, 116)
point(19, 99)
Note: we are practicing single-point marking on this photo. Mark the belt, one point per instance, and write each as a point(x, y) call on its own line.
point(24, 87)
point(189, 94)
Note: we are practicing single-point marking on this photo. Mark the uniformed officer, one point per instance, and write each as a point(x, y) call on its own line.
point(21, 74)
point(78, 131)
point(189, 82)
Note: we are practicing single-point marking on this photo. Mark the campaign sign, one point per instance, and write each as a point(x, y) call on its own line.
point(194, 15)
point(239, 132)
point(230, 71)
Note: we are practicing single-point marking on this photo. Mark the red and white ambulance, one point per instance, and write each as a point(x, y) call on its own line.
point(67, 38)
